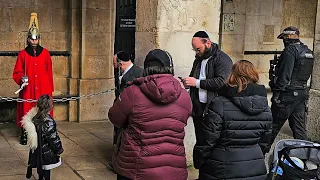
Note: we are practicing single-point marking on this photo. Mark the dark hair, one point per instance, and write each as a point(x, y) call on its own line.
point(243, 72)
point(122, 56)
point(158, 70)
point(201, 34)
point(44, 105)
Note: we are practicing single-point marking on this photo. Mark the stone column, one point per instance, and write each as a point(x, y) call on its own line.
point(96, 51)
point(313, 125)
point(74, 12)
point(170, 25)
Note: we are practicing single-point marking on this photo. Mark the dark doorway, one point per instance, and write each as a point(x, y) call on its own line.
point(125, 27)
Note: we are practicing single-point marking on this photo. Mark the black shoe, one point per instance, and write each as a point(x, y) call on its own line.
point(23, 137)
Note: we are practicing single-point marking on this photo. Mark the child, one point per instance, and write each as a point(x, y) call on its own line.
point(42, 138)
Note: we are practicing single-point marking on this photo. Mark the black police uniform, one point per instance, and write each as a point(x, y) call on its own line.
point(290, 92)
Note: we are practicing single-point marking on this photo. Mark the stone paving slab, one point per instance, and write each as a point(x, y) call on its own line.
point(84, 163)
point(73, 150)
point(15, 177)
point(4, 143)
point(65, 172)
point(12, 167)
point(87, 151)
point(97, 175)
point(23, 155)
point(9, 130)
point(8, 154)
point(14, 143)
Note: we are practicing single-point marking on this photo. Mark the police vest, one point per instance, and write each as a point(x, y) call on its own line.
point(302, 69)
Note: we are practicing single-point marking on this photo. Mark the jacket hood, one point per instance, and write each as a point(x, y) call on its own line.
point(30, 128)
point(159, 88)
point(253, 100)
point(252, 104)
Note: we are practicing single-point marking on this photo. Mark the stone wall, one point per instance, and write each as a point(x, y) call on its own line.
point(253, 25)
point(54, 29)
point(313, 124)
point(83, 28)
point(96, 52)
point(170, 26)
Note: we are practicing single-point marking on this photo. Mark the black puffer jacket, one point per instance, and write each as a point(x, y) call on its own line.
point(51, 145)
point(43, 140)
point(236, 130)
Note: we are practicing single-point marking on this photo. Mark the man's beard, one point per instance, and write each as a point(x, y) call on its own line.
point(206, 54)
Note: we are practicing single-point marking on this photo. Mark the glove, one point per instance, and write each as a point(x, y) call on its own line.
point(24, 79)
point(275, 97)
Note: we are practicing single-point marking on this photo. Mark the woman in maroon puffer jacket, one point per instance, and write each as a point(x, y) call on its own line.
point(152, 113)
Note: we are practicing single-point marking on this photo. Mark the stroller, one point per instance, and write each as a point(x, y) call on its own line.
point(295, 159)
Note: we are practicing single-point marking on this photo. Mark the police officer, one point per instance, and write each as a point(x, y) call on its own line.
point(289, 85)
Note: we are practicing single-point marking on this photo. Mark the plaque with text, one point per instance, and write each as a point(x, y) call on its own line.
point(127, 24)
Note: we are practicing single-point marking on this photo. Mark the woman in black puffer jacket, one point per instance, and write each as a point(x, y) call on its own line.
point(237, 129)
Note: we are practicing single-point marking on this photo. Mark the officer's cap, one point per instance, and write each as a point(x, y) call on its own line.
point(289, 30)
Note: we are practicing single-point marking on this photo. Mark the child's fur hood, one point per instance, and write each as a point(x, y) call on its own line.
point(30, 128)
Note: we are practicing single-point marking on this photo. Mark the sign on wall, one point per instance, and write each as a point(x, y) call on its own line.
point(127, 23)
point(228, 22)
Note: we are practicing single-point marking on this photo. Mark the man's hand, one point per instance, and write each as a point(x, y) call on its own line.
point(189, 82)
point(275, 97)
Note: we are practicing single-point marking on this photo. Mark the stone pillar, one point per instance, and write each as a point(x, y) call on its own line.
point(313, 124)
point(96, 51)
point(170, 25)
point(74, 60)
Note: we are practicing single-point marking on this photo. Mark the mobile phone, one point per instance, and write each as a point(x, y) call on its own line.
point(181, 79)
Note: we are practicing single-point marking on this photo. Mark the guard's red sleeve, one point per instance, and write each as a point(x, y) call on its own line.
point(18, 70)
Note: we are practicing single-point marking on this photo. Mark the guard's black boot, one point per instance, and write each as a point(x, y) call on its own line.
point(23, 137)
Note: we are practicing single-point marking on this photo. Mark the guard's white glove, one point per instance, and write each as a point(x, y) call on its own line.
point(24, 79)
point(25, 82)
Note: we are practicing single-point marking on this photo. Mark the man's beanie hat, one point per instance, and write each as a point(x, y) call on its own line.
point(201, 34)
point(289, 30)
point(158, 57)
point(123, 56)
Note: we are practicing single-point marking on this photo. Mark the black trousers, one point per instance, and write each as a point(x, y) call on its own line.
point(197, 121)
point(119, 177)
point(292, 106)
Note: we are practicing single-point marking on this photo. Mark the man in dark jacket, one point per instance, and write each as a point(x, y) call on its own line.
point(209, 72)
point(126, 71)
point(289, 85)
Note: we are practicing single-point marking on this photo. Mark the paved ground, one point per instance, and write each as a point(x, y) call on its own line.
point(87, 146)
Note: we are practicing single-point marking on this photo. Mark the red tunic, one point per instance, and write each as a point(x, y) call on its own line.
point(39, 70)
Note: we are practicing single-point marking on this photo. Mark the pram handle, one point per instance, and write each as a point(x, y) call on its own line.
point(284, 152)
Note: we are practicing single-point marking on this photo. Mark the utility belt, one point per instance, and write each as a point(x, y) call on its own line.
point(297, 86)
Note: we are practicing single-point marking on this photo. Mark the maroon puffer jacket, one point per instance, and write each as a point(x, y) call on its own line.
point(153, 113)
